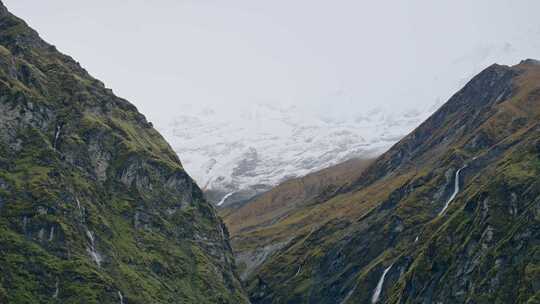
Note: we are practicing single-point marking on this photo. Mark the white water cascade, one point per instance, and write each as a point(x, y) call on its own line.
point(56, 289)
point(349, 295)
point(41, 234)
point(81, 210)
point(456, 191)
point(51, 234)
point(25, 223)
point(298, 271)
point(225, 198)
point(379, 287)
point(57, 135)
point(121, 297)
point(92, 248)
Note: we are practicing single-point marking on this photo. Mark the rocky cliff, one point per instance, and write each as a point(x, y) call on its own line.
point(95, 207)
point(450, 214)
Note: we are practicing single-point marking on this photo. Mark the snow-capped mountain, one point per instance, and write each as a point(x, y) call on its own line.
point(235, 151)
point(238, 155)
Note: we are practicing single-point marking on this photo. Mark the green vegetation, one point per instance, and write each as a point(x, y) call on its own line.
point(93, 202)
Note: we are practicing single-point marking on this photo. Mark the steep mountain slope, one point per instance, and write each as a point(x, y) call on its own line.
point(450, 214)
point(95, 206)
point(256, 224)
point(255, 148)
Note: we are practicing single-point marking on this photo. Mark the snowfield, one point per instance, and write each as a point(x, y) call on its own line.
point(261, 146)
point(247, 149)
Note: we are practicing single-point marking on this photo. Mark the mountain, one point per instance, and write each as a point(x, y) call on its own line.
point(237, 151)
point(249, 221)
point(449, 214)
point(239, 155)
point(95, 207)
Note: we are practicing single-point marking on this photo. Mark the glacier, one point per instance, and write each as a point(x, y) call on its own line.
point(258, 147)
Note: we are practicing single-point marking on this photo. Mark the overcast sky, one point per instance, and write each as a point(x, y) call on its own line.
point(326, 56)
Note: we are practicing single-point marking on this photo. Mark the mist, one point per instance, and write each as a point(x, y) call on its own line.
point(328, 57)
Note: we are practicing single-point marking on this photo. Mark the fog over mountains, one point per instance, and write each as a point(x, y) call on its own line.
point(321, 74)
point(251, 148)
point(294, 152)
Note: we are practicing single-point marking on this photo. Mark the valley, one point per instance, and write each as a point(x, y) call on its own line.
point(431, 205)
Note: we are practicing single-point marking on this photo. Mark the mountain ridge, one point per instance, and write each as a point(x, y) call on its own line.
point(460, 179)
point(94, 204)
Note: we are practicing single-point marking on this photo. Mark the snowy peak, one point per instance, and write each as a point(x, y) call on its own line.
point(251, 149)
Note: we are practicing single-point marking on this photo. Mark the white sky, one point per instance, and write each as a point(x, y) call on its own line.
point(338, 56)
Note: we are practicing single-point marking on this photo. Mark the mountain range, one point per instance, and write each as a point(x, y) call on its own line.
point(235, 152)
point(96, 207)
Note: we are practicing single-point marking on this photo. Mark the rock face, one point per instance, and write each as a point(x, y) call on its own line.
point(95, 206)
point(383, 236)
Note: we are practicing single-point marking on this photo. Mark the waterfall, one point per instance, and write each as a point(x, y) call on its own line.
point(25, 223)
point(57, 135)
point(298, 271)
point(56, 289)
point(81, 210)
point(349, 295)
point(51, 234)
point(121, 297)
point(92, 248)
point(456, 191)
point(225, 198)
point(41, 234)
point(379, 287)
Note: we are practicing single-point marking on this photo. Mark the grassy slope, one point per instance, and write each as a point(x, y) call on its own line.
point(108, 173)
point(283, 213)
